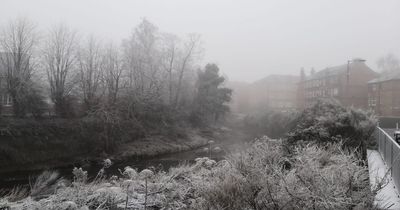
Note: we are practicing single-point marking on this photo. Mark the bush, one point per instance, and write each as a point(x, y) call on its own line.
point(318, 179)
point(328, 121)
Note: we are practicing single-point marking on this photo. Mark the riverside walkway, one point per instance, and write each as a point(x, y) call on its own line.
point(384, 169)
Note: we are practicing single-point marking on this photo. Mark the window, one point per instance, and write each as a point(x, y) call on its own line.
point(371, 101)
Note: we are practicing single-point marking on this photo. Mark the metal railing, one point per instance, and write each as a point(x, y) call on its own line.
point(390, 152)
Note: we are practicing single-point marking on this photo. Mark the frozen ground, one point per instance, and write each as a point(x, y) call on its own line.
point(388, 196)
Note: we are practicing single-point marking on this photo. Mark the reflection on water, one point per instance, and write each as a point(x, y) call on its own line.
point(163, 162)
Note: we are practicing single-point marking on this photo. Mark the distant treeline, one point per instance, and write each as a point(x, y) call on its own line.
point(149, 83)
point(149, 73)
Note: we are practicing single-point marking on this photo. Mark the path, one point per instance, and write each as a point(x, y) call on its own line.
point(387, 197)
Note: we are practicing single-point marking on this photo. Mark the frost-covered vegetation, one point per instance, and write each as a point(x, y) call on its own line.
point(261, 177)
point(317, 172)
point(328, 121)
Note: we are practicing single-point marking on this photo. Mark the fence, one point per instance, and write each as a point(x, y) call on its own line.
point(390, 152)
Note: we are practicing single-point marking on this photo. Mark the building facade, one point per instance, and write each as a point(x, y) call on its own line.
point(346, 83)
point(274, 92)
point(384, 94)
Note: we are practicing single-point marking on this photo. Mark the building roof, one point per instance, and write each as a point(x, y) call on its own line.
point(327, 72)
point(393, 75)
point(336, 70)
point(278, 79)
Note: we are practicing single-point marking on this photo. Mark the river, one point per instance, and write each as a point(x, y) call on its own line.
point(163, 162)
point(229, 140)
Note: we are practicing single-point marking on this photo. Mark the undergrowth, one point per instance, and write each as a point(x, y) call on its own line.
point(261, 177)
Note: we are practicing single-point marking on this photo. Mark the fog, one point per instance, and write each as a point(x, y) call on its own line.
point(207, 104)
point(247, 39)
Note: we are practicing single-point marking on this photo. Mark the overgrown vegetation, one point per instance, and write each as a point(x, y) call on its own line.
point(321, 174)
point(261, 177)
point(328, 121)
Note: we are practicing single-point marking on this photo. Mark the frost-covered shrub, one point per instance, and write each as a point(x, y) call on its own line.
point(129, 172)
point(80, 176)
point(107, 163)
point(260, 177)
point(318, 178)
point(105, 197)
point(328, 121)
point(205, 162)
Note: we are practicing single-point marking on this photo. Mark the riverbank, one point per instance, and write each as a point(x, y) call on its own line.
point(160, 145)
point(27, 145)
point(318, 177)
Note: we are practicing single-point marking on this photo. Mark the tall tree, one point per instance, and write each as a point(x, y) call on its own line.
point(90, 73)
point(60, 62)
point(143, 60)
point(18, 41)
point(170, 52)
point(388, 63)
point(211, 97)
point(112, 73)
point(188, 53)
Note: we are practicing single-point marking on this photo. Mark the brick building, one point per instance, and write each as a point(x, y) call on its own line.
point(384, 94)
point(346, 83)
point(274, 92)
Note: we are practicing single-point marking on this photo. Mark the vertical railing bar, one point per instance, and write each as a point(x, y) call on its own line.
point(391, 158)
point(379, 140)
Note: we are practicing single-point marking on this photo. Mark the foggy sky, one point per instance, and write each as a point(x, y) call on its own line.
point(249, 39)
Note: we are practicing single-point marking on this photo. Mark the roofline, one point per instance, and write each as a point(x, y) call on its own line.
point(387, 80)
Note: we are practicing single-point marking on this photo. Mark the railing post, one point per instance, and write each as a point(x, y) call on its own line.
point(384, 148)
point(379, 139)
point(391, 158)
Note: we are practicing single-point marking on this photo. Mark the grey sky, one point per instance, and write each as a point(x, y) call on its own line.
point(249, 39)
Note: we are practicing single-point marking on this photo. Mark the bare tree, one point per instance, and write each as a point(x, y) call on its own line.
point(18, 41)
point(388, 63)
point(170, 52)
point(90, 72)
point(188, 54)
point(59, 61)
point(143, 60)
point(112, 73)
